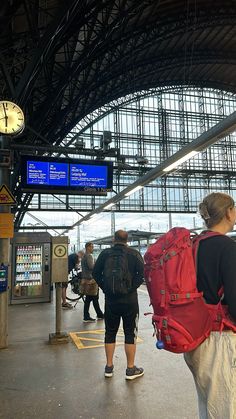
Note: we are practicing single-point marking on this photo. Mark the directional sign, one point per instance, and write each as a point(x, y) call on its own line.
point(6, 197)
point(59, 251)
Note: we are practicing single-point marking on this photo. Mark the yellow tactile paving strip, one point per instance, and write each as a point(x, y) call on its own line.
point(88, 339)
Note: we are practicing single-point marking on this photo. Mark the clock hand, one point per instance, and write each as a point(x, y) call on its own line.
point(6, 117)
point(4, 109)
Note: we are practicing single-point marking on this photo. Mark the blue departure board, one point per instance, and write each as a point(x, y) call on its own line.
point(64, 175)
point(47, 173)
point(85, 175)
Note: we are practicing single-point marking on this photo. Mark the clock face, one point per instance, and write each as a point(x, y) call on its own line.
point(11, 118)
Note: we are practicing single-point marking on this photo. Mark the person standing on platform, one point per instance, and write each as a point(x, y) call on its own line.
point(213, 363)
point(87, 264)
point(119, 271)
point(73, 260)
point(79, 266)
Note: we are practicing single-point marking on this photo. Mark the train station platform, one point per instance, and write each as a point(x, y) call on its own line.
point(66, 381)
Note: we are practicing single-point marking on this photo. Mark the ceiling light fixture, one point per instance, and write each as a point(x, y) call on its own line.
point(134, 190)
point(109, 205)
point(180, 161)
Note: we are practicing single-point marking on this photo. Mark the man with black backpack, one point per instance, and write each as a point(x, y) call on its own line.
point(119, 272)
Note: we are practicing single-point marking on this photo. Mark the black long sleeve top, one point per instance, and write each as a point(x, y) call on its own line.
point(216, 267)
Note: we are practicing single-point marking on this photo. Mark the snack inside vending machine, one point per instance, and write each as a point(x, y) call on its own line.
point(31, 268)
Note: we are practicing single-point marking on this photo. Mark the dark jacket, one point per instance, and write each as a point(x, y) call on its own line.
point(135, 266)
point(73, 259)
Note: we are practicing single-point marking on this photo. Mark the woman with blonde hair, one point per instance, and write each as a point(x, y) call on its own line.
point(213, 363)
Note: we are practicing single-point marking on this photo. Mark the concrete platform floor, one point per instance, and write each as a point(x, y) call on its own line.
point(43, 381)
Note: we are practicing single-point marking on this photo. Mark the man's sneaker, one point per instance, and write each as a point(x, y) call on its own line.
point(89, 320)
point(108, 371)
point(101, 317)
point(132, 373)
point(67, 305)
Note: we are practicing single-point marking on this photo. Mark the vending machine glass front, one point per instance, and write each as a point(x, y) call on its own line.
point(28, 282)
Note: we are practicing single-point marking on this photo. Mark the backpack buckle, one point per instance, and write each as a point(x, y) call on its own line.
point(219, 318)
point(164, 323)
point(174, 297)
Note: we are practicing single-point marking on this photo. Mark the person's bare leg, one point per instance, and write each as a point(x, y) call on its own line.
point(130, 350)
point(63, 295)
point(110, 349)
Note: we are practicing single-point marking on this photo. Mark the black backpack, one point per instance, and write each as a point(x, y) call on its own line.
point(117, 280)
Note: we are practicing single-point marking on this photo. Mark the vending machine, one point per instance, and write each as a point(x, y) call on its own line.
point(31, 268)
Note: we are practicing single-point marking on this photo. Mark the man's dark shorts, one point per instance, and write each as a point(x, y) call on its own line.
point(128, 310)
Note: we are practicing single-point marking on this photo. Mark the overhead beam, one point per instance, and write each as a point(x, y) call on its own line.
point(7, 77)
point(32, 227)
point(214, 134)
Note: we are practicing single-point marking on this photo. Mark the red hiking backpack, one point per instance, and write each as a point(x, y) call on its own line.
point(182, 320)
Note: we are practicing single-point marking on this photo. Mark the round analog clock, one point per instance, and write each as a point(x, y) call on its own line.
point(11, 118)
